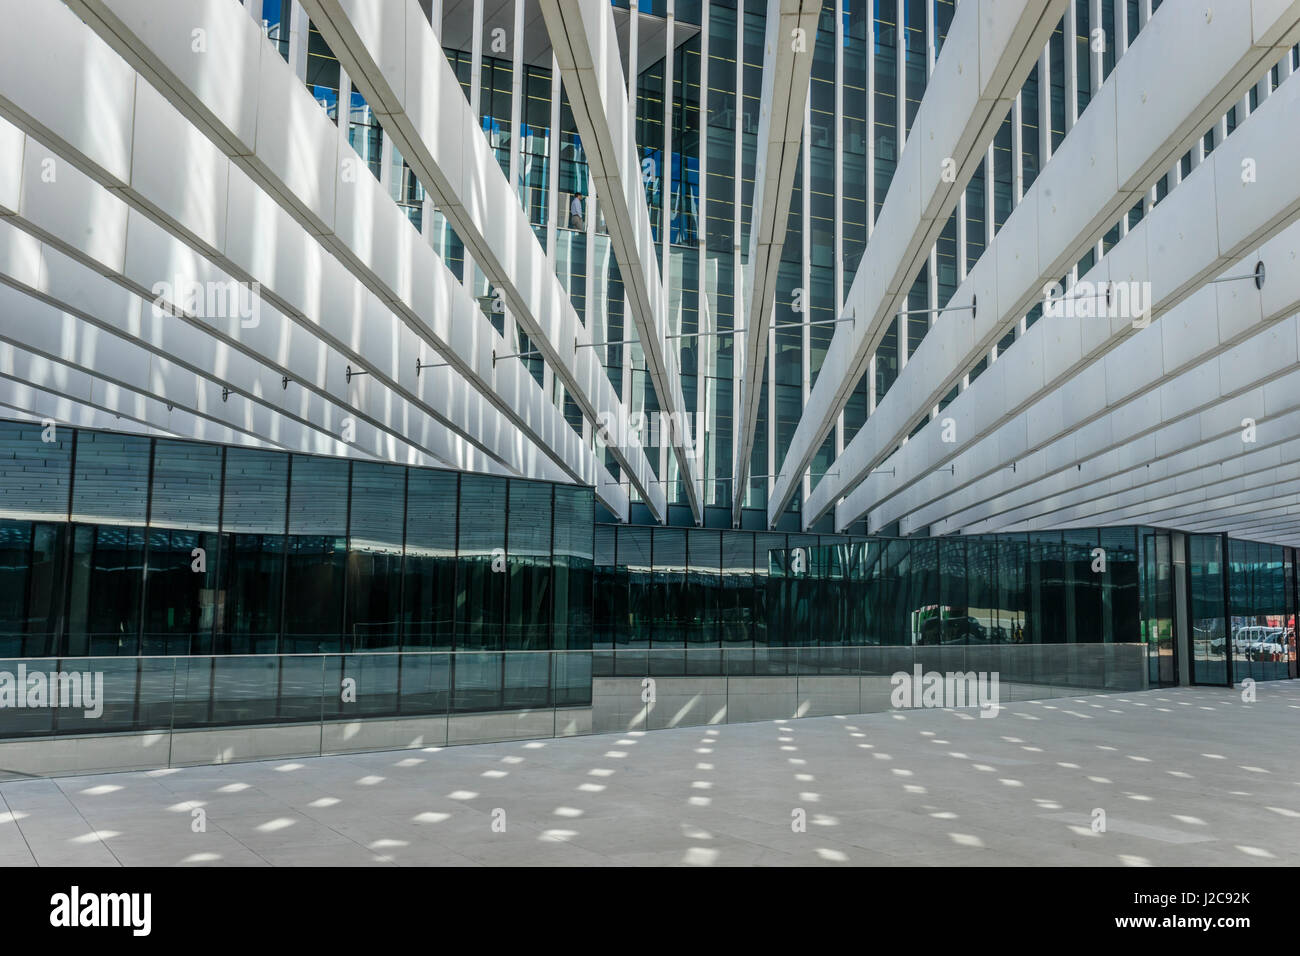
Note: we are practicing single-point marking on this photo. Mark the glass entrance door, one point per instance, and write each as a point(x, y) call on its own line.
point(1158, 608)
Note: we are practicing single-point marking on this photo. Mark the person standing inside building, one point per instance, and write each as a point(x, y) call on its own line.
point(575, 212)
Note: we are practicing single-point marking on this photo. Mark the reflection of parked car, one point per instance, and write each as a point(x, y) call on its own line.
point(1242, 637)
point(953, 630)
point(964, 630)
point(1258, 643)
point(1270, 647)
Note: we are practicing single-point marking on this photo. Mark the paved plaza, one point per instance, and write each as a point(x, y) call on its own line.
point(1184, 776)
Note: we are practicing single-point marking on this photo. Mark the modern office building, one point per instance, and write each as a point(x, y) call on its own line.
point(492, 354)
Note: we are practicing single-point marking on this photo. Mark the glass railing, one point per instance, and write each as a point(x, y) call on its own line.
point(100, 695)
point(1069, 668)
point(97, 695)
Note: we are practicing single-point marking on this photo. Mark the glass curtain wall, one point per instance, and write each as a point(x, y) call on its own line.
point(977, 590)
point(1242, 609)
point(720, 181)
point(662, 588)
point(1261, 626)
point(121, 545)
